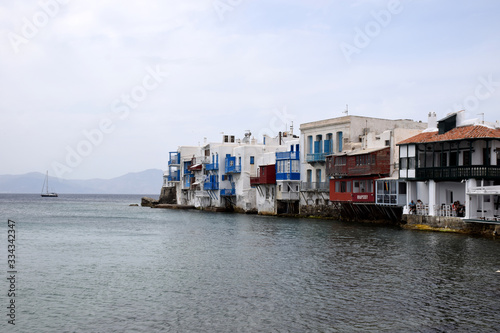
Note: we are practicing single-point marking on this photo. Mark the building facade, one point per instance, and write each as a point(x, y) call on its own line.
point(453, 168)
point(342, 136)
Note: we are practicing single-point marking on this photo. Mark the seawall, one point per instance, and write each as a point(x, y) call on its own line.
point(449, 224)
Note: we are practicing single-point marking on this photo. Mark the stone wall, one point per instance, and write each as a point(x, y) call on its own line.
point(168, 195)
point(453, 224)
point(330, 211)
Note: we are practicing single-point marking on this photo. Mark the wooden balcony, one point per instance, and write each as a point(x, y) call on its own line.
point(267, 176)
point(458, 172)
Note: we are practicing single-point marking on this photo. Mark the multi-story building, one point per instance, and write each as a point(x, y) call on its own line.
point(217, 175)
point(265, 184)
point(353, 174)
point(288, 179)
point(338, 136)
point(453, 168)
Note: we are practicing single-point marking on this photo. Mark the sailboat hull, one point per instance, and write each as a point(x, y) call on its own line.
point(49, 195)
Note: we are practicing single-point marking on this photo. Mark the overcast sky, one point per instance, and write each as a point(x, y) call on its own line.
point(99, 88)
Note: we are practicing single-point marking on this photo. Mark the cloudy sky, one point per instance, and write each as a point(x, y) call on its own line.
point(99, 88)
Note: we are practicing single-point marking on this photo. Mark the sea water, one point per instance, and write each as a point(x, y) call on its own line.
point(92, 263)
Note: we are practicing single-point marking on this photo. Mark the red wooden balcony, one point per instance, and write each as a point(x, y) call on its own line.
point(267, 176)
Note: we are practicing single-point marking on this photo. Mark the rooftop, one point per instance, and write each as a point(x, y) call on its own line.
point(458, 133)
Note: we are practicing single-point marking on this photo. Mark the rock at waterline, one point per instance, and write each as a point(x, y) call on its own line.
point(148, 202)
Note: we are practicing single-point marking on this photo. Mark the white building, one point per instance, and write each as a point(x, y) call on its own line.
point(217, 175)
point(336, 136)
point(453, 168)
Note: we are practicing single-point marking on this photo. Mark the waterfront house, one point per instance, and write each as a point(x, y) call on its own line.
point(265, 184)
point(338, 136)
point(278, 178)
point(288, 178)
point(353, 174)
point(453, 168)
point(217, 175)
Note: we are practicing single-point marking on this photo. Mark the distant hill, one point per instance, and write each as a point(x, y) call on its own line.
point(144, 182)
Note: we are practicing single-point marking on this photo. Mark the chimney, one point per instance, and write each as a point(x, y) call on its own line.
point(432, 120)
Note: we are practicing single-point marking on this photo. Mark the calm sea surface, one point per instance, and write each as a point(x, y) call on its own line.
point(90, 263)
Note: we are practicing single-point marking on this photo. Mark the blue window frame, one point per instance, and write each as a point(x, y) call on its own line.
point(252, 159)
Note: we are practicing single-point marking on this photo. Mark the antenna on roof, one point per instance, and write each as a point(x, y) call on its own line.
point(346, 109)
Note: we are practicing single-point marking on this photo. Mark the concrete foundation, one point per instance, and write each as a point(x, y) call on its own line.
point(450, 224)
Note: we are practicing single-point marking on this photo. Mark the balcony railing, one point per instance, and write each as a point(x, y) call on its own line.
point(233, 168)
point(227, 192)
point(174, 159)
point(316, 157)
point(459, 172)
point(315, 186)
point(212, 166)
point(254, 181)
point(261, 180)
point(211, 186)
point(175, 177)
point(288, 176)
point(288, 196)
point(288, 155)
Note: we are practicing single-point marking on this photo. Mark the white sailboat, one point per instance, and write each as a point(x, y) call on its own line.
point(46, 187)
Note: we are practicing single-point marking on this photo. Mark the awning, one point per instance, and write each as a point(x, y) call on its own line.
point(195, 167)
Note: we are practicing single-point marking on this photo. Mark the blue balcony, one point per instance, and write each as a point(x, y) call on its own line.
point(186, 168)
point(316, 157)
point(174, 176)
point(233, 169)
point(188, 180)
point(288, 176)
point(209, 186)
point(288, 155)
point(230, 164)
point(227, 192)
point(212, 166)
point(212, 183)
point(174, 158)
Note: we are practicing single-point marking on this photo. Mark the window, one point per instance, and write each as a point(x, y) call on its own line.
point(411, 163)
point(342, 186)
point(387, 143)
point(444, 160)
point(340, 160)
point(402, 188)
point(403, 163)
point(486, 156)
point(309, 176)
point(339, 141)
point(466, 158)
point(252, 159)
point(453, 158)
point(279, 187)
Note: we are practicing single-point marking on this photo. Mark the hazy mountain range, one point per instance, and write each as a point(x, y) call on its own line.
point(145, 182)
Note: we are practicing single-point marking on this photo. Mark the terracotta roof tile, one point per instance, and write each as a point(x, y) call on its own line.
point(458, 133)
